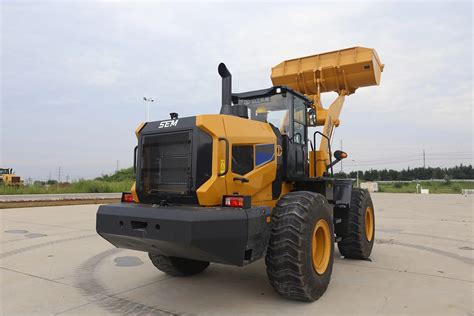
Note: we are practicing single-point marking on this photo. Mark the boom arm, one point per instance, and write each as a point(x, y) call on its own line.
point(343, 72)
point(332, 120)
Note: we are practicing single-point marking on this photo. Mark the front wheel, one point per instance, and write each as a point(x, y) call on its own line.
point(176, 266)
point(300, 252)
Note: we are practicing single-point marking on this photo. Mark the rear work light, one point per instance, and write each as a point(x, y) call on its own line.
point(127, 197)
point(236, 201)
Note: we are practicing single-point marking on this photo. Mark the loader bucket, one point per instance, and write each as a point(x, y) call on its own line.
point(337, 71)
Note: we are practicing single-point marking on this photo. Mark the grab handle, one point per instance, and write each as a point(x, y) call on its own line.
point(135, 159)
point(220, 174)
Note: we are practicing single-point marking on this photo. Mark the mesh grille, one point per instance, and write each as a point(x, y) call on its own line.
point(166, 164)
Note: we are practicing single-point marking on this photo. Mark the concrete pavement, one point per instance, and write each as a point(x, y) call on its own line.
point(53, 262)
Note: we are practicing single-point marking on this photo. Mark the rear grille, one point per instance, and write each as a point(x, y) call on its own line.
point(15, 179)
point(166, 164)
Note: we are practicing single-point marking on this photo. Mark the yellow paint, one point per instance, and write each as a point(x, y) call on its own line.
point(222, 166)
point(134, 193)
point(241, 131)
point(139, 128)
point(237, 131)
point(321, 246)
point(279, 151)
point(332, 120)
point(369, 223)
point(311, 164)
point(321, 115)
point(271, 203)
point(347, 69)
point(211, 192)
point(319, 163)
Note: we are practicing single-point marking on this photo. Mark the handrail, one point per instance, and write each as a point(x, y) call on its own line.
point(329, 149)
point(135, 159)
point(227, 149)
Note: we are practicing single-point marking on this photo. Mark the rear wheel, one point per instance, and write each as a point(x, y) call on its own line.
point(176, 266)
point(357, 226)
point(301, 249)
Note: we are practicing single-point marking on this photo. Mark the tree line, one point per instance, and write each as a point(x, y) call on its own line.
point(458, 172)
point(428, 173)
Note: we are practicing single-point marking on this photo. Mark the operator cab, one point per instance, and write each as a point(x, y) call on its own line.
point(6, 171)
point(287, 111)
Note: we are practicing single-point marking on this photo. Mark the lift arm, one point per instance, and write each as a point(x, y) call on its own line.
point(331, 121)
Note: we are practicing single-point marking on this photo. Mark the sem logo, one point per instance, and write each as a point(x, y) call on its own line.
point(168, 123)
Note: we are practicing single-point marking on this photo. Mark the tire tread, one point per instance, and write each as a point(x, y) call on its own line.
point(354, 244)
point(285, 255)
point(175, 266)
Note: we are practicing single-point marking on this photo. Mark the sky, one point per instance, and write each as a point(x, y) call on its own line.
point(74, 74)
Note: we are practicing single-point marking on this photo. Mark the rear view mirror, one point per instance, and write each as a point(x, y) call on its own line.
point(311, 117)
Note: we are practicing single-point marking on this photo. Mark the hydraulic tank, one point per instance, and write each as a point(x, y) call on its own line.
point(346, 69)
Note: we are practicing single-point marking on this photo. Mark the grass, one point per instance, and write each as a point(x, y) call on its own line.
point(82, 186)
point(434, 187)
point(101, 186)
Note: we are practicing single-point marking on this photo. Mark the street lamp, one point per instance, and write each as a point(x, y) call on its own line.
point(357, 168)
point(148, 100)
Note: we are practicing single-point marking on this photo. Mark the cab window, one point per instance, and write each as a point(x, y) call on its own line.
point(299, 120)
point(242, 159)
point(264, 153)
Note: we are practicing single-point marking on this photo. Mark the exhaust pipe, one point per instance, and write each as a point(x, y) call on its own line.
point(226, 89)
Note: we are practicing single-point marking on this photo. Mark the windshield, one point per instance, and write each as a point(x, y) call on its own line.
point(275, 109)
point(272, 109)
point(4, 171)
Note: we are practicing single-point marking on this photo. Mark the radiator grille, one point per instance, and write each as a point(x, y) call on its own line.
point(166, 163)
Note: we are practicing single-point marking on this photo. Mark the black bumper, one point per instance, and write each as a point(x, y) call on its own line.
point(223, 235)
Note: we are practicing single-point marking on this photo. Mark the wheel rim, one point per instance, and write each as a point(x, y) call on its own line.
point(321, 246)
point(369, 223)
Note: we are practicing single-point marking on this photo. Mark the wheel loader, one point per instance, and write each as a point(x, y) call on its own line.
point(9, 178)
point(251, 182)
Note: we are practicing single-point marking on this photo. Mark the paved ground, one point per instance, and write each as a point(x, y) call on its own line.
point(52, 262)
point(55, 197)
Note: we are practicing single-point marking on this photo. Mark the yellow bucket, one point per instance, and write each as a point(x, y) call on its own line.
point(343, 70)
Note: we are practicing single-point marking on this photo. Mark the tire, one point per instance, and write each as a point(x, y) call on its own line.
point(176, 266)
point(291, 267)
point(358, 230)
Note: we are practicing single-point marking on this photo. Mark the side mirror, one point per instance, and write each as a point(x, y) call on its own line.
point(311, 117)
point(339, 154)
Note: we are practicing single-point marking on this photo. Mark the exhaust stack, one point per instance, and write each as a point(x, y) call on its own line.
point(226, 89)
point(227, 107)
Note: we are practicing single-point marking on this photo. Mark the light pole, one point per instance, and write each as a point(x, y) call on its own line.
point(357, 168)
point(148, 100)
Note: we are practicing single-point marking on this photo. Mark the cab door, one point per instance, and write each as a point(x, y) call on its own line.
point(253, 158)
point(294, 144)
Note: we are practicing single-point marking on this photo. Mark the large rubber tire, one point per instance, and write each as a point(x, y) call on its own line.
point(289, 258)
point(355, 243)
point(177, 266)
